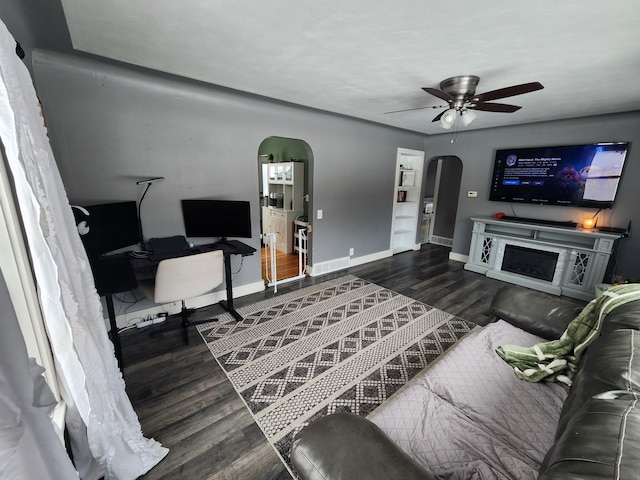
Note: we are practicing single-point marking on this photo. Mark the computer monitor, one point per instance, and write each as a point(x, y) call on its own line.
point(108, 226)
point(217, 218)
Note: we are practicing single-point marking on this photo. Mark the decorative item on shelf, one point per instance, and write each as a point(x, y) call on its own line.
point(407, 179)
point(588, 223)
point(402, 195)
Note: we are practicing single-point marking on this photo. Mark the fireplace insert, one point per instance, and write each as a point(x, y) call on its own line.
point(539, 264)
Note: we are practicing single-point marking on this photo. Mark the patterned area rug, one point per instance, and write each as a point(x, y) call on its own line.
point(342, 345)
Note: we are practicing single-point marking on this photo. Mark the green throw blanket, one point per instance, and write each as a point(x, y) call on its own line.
point(558, 359)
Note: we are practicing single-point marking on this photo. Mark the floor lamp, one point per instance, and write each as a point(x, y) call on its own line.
point(148, 182)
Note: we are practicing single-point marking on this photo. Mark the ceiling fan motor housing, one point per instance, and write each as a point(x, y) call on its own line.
point(462, 87)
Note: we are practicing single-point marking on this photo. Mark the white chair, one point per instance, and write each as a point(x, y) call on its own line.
point(185, 277)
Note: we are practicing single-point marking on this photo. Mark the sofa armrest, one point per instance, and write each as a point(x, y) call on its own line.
point(538, 313)
point(345, 446)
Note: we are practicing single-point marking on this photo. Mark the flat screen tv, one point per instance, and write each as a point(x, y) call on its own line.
point(108, 227)
point(574, 175)
point(217, 218)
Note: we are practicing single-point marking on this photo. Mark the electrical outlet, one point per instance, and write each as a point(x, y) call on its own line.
point(472, 194)
point(351, 252)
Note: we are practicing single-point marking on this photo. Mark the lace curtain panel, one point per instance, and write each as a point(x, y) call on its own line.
point(29, 446)
point(105, 433)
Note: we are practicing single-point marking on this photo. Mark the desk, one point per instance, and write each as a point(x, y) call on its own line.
point(145, 267)
point(113, 274)
point(120, 273)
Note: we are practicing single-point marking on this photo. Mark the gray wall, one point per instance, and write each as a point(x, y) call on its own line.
point(111, 125)
point(36, 23)
point(477, 148)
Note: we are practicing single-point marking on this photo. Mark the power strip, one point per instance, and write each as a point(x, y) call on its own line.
point(151, 321)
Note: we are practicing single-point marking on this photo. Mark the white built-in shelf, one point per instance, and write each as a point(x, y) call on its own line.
point(406, 213)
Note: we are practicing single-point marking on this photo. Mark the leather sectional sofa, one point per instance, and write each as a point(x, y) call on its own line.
point(597, 435)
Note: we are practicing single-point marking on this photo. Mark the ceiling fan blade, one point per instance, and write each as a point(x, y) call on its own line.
point(507, 92)
point(418, 108)
point(440, 94)
point(494, 107)
point(438, 117)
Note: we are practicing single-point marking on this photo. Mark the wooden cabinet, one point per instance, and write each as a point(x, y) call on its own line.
point(407, 200)
point(280, 222)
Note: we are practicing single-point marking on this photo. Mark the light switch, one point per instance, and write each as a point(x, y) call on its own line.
point(472, 193)
point(319, 214)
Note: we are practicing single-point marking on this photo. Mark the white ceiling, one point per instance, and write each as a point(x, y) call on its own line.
point(365, 57)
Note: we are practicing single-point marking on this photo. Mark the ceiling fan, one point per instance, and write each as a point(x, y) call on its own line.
point(460, 94)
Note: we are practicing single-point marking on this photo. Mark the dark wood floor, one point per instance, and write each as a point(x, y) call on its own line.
point(184, 400)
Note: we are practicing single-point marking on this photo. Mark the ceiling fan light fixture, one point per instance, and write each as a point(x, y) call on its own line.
point(448, 118)
point(467, 116)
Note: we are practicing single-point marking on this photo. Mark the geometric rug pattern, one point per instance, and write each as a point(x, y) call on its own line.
point(345, 345)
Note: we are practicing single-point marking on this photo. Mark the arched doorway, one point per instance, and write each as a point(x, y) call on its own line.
point(284, 179)
point(441, 192)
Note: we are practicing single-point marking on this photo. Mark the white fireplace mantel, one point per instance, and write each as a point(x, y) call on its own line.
point(583, 255)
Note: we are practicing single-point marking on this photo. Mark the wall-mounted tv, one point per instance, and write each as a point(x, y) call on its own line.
point(574, 175)
point(217, 218)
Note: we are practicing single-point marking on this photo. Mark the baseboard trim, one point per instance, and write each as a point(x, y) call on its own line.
point(458, 257)
point(345, 262)
point(355, 261)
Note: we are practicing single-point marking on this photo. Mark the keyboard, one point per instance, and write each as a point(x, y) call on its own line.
point(156, 257)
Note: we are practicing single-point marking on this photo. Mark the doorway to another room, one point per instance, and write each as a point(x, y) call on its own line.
point(284, 170)
point(440, 200)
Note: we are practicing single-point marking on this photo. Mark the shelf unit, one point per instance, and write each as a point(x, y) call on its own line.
point(407, 200)
point(287, 178)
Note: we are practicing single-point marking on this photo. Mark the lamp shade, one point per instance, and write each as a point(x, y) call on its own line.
point(448, 118)
point(467, 117)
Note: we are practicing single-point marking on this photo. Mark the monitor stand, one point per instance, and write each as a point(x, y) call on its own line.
point(231, 247)
point(223, 241)
point(226, 244)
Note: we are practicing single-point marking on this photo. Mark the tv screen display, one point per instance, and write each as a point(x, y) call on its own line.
point(575, 175)
point(108, 227)
point(216, 218)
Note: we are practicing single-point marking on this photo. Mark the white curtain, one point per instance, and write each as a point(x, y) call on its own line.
point(29, 445)
point(105, 432)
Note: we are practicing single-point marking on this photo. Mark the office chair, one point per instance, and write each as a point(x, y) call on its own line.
point(182, 278)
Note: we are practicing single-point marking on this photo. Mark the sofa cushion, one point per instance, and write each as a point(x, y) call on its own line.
point(345, 446)
point(601, 441)
point(539, 313)
point(610, 364)
point(468, 416)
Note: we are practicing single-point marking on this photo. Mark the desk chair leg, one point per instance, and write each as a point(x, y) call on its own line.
point(186, 323)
